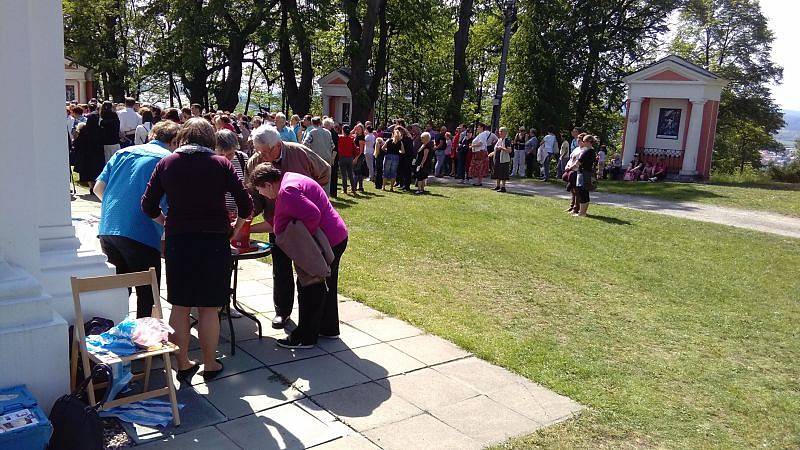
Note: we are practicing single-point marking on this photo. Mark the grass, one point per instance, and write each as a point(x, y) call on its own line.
point(674, 334)
point(783, 198)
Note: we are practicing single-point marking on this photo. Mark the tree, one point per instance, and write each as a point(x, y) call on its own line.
point(732, 39)
point(292, 26)
point(460, 74)
point(94, 34)
point(361, 36)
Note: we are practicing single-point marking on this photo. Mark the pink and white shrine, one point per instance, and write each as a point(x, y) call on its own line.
point(672, 113)
point(337, 101)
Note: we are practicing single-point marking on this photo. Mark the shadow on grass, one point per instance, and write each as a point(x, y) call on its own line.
point(772, 186)
point(606, 219)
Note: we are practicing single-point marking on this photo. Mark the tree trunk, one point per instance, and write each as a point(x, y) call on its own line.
point(460, 73)
point(298, 95)
point(359, 49)
point(116, 72)
point(228, 93)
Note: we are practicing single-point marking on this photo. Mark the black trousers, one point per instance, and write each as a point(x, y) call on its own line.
point(334, 177)
point(319, 304)
point(404, 171)
point(379, 171)
point(283, 280)
point(133, 256)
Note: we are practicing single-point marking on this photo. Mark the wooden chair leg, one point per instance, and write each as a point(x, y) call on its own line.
point(176, 415)
point(73, 365)
point(148, 364)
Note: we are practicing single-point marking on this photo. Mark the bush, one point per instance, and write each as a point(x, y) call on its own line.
point(750, 176)
point(786, 174)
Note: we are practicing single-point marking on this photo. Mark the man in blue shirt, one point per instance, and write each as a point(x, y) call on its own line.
point(129, 238)
point(287, 134)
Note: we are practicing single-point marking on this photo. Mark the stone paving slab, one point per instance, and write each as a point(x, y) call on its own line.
point(485, 420)
point(536, 402)
point(366, 406)
point(246, 393)
point(208, 438)
point(267, 351)
point(430, 349)
point(386, 328)
point(197, 413)
point(421, 432)
point(379, 361)
point(349, 338)
point(319, 375)
point(284, 427)
point(352, 442)
point(479, 374)
point(428, 389)
point(350, 311)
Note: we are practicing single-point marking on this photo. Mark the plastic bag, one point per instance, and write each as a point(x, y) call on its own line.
point(150, 332)
point(116, 340)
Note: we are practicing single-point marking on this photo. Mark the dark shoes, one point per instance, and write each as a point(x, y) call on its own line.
point(279, 322)
point(186, 375)
point(291, 343)
point(502, 189)
point(209, 375)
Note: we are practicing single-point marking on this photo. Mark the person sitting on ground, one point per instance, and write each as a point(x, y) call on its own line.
point(635, 169)
point(615, 169)
point(647, 172)
point(131, 240)
point(659, 171)
point(300, 198)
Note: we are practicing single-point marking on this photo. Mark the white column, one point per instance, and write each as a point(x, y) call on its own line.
point(33, 340)
point(632, 130)
point(61, 256)
point(325, 111)
point(693, 139)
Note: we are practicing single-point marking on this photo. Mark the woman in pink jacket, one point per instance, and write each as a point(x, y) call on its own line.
point(298, 197)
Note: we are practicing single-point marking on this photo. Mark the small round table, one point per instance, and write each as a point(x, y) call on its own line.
point(261, 249)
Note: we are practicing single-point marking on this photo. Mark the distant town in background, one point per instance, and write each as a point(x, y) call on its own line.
point(788, 136)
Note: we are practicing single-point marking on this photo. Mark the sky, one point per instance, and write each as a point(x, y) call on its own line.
point(782, 15)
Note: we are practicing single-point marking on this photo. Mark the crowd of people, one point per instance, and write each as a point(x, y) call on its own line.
point(185, 189)
point(178, 183)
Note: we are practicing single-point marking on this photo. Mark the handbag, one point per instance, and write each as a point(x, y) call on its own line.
point(77, 425)
point(566, 175)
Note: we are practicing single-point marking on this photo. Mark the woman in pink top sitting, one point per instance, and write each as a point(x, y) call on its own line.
point(298, 197)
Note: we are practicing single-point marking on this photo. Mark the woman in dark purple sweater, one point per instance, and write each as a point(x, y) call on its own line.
point(197, 250)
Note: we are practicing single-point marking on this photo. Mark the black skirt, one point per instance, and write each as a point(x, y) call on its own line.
point(198, 267)
point(500, 170)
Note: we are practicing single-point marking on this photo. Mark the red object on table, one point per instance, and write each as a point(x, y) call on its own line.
point(241, 240)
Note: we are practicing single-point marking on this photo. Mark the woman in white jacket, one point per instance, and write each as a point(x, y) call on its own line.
point(143, 130)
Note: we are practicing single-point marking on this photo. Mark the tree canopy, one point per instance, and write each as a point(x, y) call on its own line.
point(430, 59)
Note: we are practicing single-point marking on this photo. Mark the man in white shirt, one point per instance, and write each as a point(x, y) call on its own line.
point(550, 146)
point(128, 121)
point(484, 139)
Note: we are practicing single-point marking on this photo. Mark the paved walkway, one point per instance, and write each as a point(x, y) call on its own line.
point(383, 384)
point(753, 220)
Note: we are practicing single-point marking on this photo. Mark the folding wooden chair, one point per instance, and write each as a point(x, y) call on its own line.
point(128, 280)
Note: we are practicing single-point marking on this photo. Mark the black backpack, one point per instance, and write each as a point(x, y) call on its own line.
point(76, 424)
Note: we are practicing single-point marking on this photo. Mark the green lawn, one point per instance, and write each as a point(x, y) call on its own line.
point(673, 333)
point(781, 198)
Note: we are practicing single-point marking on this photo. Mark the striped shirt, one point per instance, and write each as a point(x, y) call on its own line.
point(239, 162)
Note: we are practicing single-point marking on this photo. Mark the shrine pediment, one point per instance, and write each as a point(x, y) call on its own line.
point(674, 69)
